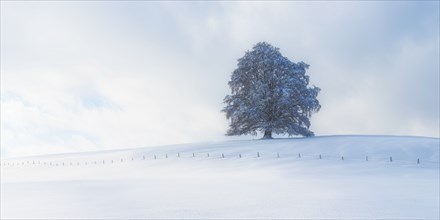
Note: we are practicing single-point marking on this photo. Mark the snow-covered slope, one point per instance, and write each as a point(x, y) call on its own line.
point(320, 177)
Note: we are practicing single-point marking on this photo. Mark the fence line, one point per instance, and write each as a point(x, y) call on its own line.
point(299, 156)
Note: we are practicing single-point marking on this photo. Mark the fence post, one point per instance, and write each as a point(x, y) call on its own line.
point(155, 156)
point(223, 156)
point(194, 155)
point(299, 155)
point(418, 161)
point(320, 157)
point(366, 158)
point(258, 154)
point(342, 157)
point(239, 155)
point(166, 155)
point(278, 155)
point(391, 159)
point(178, 154)
point(208, 154)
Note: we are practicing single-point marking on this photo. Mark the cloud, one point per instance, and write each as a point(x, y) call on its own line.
point(102, 75)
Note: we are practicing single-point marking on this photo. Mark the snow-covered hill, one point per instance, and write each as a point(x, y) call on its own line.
point(321, 177)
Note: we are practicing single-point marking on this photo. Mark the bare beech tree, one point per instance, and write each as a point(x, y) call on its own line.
point(270, 94)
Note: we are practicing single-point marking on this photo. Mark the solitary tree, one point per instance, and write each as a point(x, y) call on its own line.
point(270, 94)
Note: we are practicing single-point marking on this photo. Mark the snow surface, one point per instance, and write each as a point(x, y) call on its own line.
point(232, 187)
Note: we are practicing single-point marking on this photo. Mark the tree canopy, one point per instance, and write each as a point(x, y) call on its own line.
point(270, 94)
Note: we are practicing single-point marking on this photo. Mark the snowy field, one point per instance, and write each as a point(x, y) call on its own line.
point(177, 184)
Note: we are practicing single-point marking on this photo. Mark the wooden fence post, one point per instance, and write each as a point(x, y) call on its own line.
point(320, 157)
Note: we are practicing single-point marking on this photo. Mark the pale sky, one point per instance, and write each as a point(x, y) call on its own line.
point(96, 75)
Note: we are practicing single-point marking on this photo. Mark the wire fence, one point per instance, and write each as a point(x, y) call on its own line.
point(204, 155)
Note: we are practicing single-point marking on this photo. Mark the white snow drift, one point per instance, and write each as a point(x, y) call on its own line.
point(320, 177)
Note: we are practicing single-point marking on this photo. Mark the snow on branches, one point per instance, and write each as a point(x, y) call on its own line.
point(270, 94)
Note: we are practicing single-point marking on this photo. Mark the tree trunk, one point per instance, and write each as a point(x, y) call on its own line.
point(267, 134)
